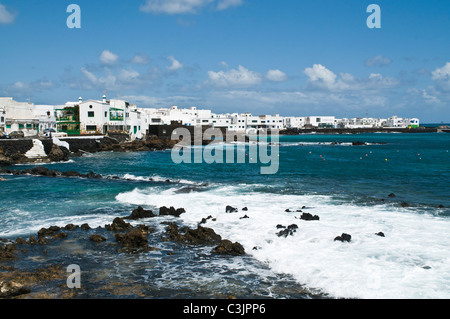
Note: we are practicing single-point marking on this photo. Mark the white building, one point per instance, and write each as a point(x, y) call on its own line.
point(19, 116)
point(401, 122)
point(321, 121)
point(294, 122)
point(46, 116)
point(101, 117)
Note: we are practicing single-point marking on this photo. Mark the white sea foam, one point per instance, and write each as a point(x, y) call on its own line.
point(286, 144)
point(411, 261)
point(158, 178)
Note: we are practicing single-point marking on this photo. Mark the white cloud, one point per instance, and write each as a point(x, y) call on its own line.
point(319, 77)
point(173, 6)
point(6, 16)
point(276, 76)
point(26, 89)
point(225, 4)
point(89, 75)
point(140, 59)
point(442, 77)
point(128, 75)
point(430, 99)
point(107, 57)
point(176, 65)
point(240, 77)
point(185, 6)
point(378, 60)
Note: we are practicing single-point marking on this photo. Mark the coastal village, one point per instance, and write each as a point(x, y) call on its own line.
point(115, 116)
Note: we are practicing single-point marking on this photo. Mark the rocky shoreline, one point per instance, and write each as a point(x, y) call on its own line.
point(120, 236)
point(16, 151)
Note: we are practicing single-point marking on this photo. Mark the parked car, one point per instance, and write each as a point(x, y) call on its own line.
point(54, 134)
point(17, 134)
point(48, 130)
point(4, 136)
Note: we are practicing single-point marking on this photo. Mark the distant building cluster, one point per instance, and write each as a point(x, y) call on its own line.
point(105, 116)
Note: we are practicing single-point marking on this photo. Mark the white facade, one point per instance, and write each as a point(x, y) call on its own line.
point(321, 121)
point(294, 122)
point(19, 116)
point(94, 115)
point(101, 117)
point(46, 116)
point(2, 119)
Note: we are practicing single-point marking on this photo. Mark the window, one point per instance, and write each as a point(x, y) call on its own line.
point(90, 114)
point(28, 126)
point(318, 120)
point(106, 114)
point(91, 128)
point(2, 119)
point(21, 126)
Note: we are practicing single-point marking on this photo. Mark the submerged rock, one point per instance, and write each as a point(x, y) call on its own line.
point(10, 289)
point(97, 238)
point(226, 247)
point(135, 238)
point(199, 236)
point(119, 224)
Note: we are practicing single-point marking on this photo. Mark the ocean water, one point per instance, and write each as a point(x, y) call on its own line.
point(346, 186)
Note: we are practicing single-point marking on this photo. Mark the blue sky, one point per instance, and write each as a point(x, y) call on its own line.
point(263, 56)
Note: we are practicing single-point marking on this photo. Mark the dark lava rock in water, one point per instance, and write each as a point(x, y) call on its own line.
point(230, 209)
point(226, 247)
point(140, 213)
point(343, 237)
point(308, 216)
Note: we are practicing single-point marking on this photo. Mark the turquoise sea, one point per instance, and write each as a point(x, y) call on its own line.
point(346, 186)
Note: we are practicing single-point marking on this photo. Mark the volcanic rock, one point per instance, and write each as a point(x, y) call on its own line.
point(140, 213)
point(226, 247)
point(343, 237)
point(308, 216)
point(119, 224)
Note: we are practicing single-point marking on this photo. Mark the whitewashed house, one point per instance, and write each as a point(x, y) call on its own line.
point(46, 116)
point(19, 116)
point(321, 121)
point(95, 115)
point(101, 117)
point(294, 122)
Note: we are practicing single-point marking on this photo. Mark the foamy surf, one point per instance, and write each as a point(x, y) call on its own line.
point(400, 265)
